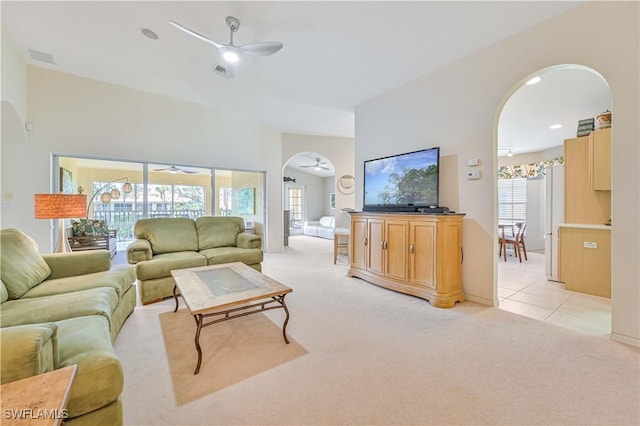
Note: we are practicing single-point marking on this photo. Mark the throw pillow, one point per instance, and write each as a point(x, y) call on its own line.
point(21, 265)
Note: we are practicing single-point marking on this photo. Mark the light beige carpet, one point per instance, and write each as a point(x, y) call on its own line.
point(232, 351)
point(377, 357)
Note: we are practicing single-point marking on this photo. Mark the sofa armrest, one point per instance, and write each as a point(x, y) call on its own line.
point(28, 350)
point(77, 263)
point(249, 241)
point(311, 223)
point(139, 250)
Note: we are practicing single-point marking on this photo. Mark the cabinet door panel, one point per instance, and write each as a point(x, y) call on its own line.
point(450, 262)
point(396, 249)
point(600, 159)
point(358, 240)
point(375, 262)
point(423, 258)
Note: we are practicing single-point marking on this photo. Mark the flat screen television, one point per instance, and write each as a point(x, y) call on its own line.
point(402, 183)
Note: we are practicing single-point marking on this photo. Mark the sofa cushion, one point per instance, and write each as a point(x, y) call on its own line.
point(120, 278)
point(328, 221)
point(218, 231)
point(99, 380)
point(162, 264)
point(168, 235)
point(216, 256)
point(77, 263)
point(4, 296)
point(21, 266)
point(94, 301)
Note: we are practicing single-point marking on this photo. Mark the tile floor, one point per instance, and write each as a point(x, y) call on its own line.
point(523, 289)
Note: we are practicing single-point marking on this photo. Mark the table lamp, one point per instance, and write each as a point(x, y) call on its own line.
point(60, 206)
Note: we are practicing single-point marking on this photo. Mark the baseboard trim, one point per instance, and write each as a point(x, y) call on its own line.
point(625, 339)
point(481, 300)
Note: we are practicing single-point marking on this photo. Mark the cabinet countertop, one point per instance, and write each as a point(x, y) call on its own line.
point(584, 226)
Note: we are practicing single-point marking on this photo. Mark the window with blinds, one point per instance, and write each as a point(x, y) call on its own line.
point(512, 201)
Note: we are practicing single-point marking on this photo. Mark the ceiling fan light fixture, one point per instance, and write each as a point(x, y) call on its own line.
point(555, 126)
point(230, 56)
point(510, 153)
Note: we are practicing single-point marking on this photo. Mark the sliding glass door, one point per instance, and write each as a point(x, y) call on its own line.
point(122, 192)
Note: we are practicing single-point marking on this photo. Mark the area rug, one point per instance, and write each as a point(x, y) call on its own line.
point(232, 351)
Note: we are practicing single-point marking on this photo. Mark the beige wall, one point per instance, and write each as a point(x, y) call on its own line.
point(114, 122)
point(14, 77)
point(458, 106)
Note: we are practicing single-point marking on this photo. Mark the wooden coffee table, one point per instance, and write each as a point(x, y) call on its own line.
point(227, 291)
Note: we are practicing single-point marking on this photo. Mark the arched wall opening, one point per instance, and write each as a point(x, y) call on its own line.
point(308, 190)
point(528, 139)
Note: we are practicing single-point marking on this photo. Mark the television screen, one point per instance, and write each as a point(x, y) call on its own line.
point(402, 182)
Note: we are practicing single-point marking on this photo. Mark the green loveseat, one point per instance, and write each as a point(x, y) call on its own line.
point(164, 244)
point(63, 309)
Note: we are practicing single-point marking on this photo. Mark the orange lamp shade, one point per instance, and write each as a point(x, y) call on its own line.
point(60, 206)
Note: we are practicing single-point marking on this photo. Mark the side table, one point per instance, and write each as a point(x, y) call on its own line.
point(37, 400)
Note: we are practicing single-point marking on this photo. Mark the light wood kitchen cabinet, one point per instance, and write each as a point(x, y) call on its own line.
point(600, 159)
point(414, 254)
point(581, 203)
point(585, 258)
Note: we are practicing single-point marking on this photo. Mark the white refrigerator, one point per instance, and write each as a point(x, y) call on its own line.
point(553, 216)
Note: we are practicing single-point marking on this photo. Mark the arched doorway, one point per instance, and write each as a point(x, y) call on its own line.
point(308, 186)
point(541, 113)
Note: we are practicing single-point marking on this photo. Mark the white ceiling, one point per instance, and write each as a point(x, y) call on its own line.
point(336, 55)
point(563, 96)
point(302, 161)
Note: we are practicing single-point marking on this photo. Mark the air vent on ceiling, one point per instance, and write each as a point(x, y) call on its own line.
point(222, 71)
point(36, 55)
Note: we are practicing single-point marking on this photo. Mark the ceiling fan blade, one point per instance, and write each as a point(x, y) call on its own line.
point(196, 35)
point(261, 49)
point(162, 170)
point(187, 171)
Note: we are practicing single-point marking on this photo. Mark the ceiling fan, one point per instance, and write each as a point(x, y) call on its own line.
point(231, 52)
point(319, 164)
point(174, 169)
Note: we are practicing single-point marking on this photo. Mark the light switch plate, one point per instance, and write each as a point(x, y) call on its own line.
point(473, 162)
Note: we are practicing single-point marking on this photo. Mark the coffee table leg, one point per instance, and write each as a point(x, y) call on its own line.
point(175, 296)
point(286, 320)
point(199, 320)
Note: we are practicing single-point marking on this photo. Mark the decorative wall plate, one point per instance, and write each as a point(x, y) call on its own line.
point(346, 184)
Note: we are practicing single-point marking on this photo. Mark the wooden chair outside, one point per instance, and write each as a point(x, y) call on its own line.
point(517, 240)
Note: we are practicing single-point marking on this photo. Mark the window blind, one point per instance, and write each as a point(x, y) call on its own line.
point(512, 200)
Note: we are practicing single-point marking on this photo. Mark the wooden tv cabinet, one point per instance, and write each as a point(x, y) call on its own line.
point(416, 254)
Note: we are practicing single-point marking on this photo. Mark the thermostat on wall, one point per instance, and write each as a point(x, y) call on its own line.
point(473, 174)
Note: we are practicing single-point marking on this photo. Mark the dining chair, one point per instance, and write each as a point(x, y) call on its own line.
point(504, 232)
point(517, 240)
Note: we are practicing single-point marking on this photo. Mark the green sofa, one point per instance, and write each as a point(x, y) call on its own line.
point(63, 309)
point(164, 244)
